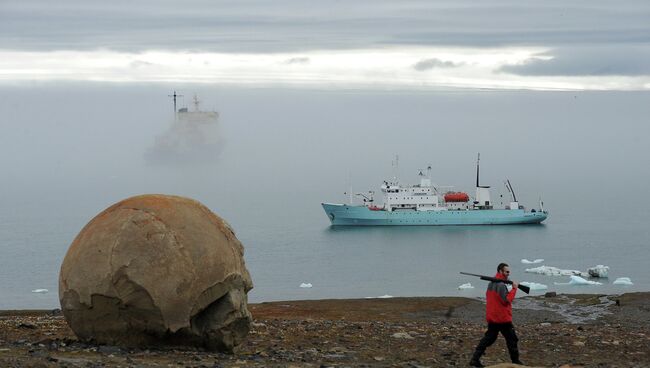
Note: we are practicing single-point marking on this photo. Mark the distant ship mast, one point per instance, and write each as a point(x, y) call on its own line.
point(175, 110)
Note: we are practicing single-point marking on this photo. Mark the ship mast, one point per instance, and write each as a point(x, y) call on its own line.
point(395, 169)
point(175, 110)
point(478, 159)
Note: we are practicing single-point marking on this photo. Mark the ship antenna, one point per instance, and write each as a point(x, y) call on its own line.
point(174, 96)
point(350, 186)
point(395, 168)
point(478, 159)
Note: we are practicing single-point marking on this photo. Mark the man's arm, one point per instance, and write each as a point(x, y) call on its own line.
point(506, 297)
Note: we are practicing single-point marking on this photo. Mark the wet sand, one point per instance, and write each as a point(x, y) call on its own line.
point(572, 330)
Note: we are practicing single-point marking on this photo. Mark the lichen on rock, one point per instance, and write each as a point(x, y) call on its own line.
point(157, 269)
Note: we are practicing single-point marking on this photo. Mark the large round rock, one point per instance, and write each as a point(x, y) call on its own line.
point(156, 269)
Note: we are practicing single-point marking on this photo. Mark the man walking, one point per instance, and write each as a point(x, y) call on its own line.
point(499, 317)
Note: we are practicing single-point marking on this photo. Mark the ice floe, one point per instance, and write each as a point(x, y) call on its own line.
point(40, 291)
point(538, 260)
point(386, 296)
point(466, 286)
point(554, 271)
point(534, 285)
point(305, 285)
point(623, 281)
point(577, 280)
point(598, 271)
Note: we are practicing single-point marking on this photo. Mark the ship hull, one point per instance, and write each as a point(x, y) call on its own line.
point(342, 214)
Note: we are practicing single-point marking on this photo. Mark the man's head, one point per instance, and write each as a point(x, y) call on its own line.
point(503, 269)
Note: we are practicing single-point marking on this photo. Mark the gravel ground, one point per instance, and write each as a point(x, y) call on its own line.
point(566, 330)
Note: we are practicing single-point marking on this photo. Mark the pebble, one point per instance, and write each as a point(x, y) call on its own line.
point(402, 335)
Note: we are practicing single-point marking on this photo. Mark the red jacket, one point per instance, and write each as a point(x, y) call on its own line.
point(499, 301)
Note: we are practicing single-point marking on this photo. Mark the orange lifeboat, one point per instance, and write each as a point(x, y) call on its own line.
point(456, 197)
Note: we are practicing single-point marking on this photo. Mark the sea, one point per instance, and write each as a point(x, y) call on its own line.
point(283, 151)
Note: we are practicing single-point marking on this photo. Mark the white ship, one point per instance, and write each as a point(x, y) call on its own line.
point(426, 204)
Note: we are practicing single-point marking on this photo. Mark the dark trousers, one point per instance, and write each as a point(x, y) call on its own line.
point(508, 331)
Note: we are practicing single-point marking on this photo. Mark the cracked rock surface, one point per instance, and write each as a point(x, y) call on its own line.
point(157, 269)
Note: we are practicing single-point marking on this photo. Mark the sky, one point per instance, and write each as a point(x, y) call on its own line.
point(414, 44)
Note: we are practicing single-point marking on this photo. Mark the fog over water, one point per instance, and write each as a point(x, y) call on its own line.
point(69, 150)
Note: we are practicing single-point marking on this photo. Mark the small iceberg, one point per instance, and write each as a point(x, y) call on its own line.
point(577, 280)
point(466, 286)
point(385, 296)
point(623, 281)
point(538, 260)
point(40, 291)
point(534, 285)
point(554, 271)
point(306, 285)
point(598, 271)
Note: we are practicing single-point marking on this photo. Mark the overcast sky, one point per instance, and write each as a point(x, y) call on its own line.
point(545, 45)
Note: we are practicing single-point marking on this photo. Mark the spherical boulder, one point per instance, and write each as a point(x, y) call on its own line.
point(157, 269)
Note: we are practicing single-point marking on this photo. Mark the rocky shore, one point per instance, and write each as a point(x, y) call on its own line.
point(564, 330)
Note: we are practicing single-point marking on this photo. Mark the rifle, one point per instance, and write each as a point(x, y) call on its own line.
point(521, 287)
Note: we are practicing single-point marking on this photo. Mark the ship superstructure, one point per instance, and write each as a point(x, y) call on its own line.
point(429, 204)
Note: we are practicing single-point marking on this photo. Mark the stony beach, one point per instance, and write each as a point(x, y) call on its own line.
point(565, 330)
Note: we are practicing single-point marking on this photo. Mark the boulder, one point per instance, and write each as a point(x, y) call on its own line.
point(157, 269)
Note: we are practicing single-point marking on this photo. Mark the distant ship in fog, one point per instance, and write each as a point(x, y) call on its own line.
point(193, 137)
point(427, 204)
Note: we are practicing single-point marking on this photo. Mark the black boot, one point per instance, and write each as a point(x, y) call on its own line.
point(475, 362)
point(514, 356)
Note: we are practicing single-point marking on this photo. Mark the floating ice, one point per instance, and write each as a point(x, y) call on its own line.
point(534, 285)
point(538, 260)
point(307, 285)
point(554, 271)
point(466, 286)
point(598, 271)
point(623, 281)
point(386, 296)
point(577, 280)
point(40, 291)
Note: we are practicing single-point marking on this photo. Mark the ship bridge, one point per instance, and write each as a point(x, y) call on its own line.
point(420, 197)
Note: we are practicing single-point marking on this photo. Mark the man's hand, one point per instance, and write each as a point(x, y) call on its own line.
point(515, 284)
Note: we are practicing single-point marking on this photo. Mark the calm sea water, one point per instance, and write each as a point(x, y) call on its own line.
point(284, 152)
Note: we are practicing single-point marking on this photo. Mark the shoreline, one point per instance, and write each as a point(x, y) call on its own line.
point(574, 329)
